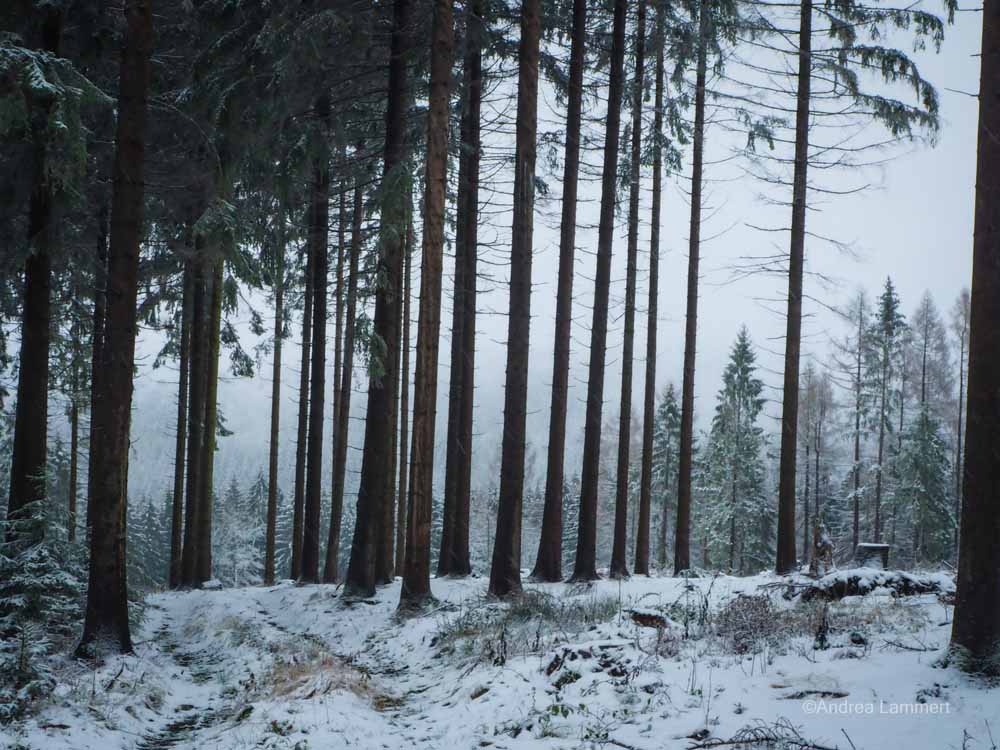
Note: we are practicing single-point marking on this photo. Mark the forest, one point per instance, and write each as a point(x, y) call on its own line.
point(563, 373)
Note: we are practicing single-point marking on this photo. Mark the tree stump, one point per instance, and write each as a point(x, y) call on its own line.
point(868, 555)
point(821, 561)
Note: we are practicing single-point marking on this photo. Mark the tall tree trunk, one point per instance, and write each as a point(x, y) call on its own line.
point(959, 435)
point(416, 589)
point(338, 435)
point(97, 336)
point(205, 493)
point(682, 532)
point(29, 455)
point(376, 486)
point(548, 564)
point(816, 457)
point(882, 417)
point(856, 525)
point(805, 512)
point(404, 397)
point(74, 466)
point(619, 565)
point(454, 554)
point(302, 429)
point(278, 284)
point(975, 637)
point(649, 400)
point(505, 572)
point(662, 561)
point(343, 415)
point(585, 566)
point(311, 518)
point(107, 595)
point(180, 443)
point(338, 315)
point(785, 558)
point(196, 413)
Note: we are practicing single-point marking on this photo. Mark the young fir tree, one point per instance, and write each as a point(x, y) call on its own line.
point(884, 353)
point(238, 534)
point(924, 488)
point(666, 442)
point(732, 477)
point(850, 358)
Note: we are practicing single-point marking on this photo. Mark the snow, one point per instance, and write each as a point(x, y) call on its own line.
point(296, 667)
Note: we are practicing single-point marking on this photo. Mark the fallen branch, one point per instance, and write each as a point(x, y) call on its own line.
point(780, 734)
point(906, 647)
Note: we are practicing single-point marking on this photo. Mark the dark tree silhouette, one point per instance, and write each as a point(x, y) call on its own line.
point(585, 566)
point(505, 572)
point(107, 595)
point(975, 634)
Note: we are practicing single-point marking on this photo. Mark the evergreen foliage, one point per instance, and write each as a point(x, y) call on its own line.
point(738, 516)
point(42, 580)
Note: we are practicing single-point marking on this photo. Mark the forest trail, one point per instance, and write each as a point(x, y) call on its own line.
point(198, 702)
point(210, 693)
point(292, 667)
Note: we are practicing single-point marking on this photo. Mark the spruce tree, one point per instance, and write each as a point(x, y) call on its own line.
point(732, 477)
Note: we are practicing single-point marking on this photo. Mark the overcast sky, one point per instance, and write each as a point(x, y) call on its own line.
point(914, 223)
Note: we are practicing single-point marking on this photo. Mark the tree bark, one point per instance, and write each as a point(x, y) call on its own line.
point(278, 284)
point(180, 444)
point(805, 511)
point(97, 336)
point(682, 532)
point(338, 322)
point(975, 634)
point(454, 554)
point(649, 401)
point(74, 465)
point(785, 557)
point(416, 589)
point(314, 460)
point(376, 486)
point(619, 564)
point(207, 481)
point(343, 416)
point(585, 566)
point(856, 522)
point(29, 450)
point(505, 572)
point(548, 564)
point(196, 415)
point(882, 417)
point(404, 397)
point(302, 430)
point(107, 595)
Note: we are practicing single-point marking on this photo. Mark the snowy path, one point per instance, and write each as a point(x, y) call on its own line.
point(297, 668)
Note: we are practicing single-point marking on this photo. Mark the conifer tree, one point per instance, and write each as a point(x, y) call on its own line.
point(738, 514)
point(505, 572)
point(107, 596)
point(548, 565)
point(666, 441)
point(585, 567)
point(377, 485)
point(975, 634)
point(884, 354)
point(416, 588)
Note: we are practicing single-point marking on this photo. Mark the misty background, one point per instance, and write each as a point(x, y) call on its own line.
point(912, 222)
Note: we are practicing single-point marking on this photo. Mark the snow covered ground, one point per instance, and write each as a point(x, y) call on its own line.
point(648, 663)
